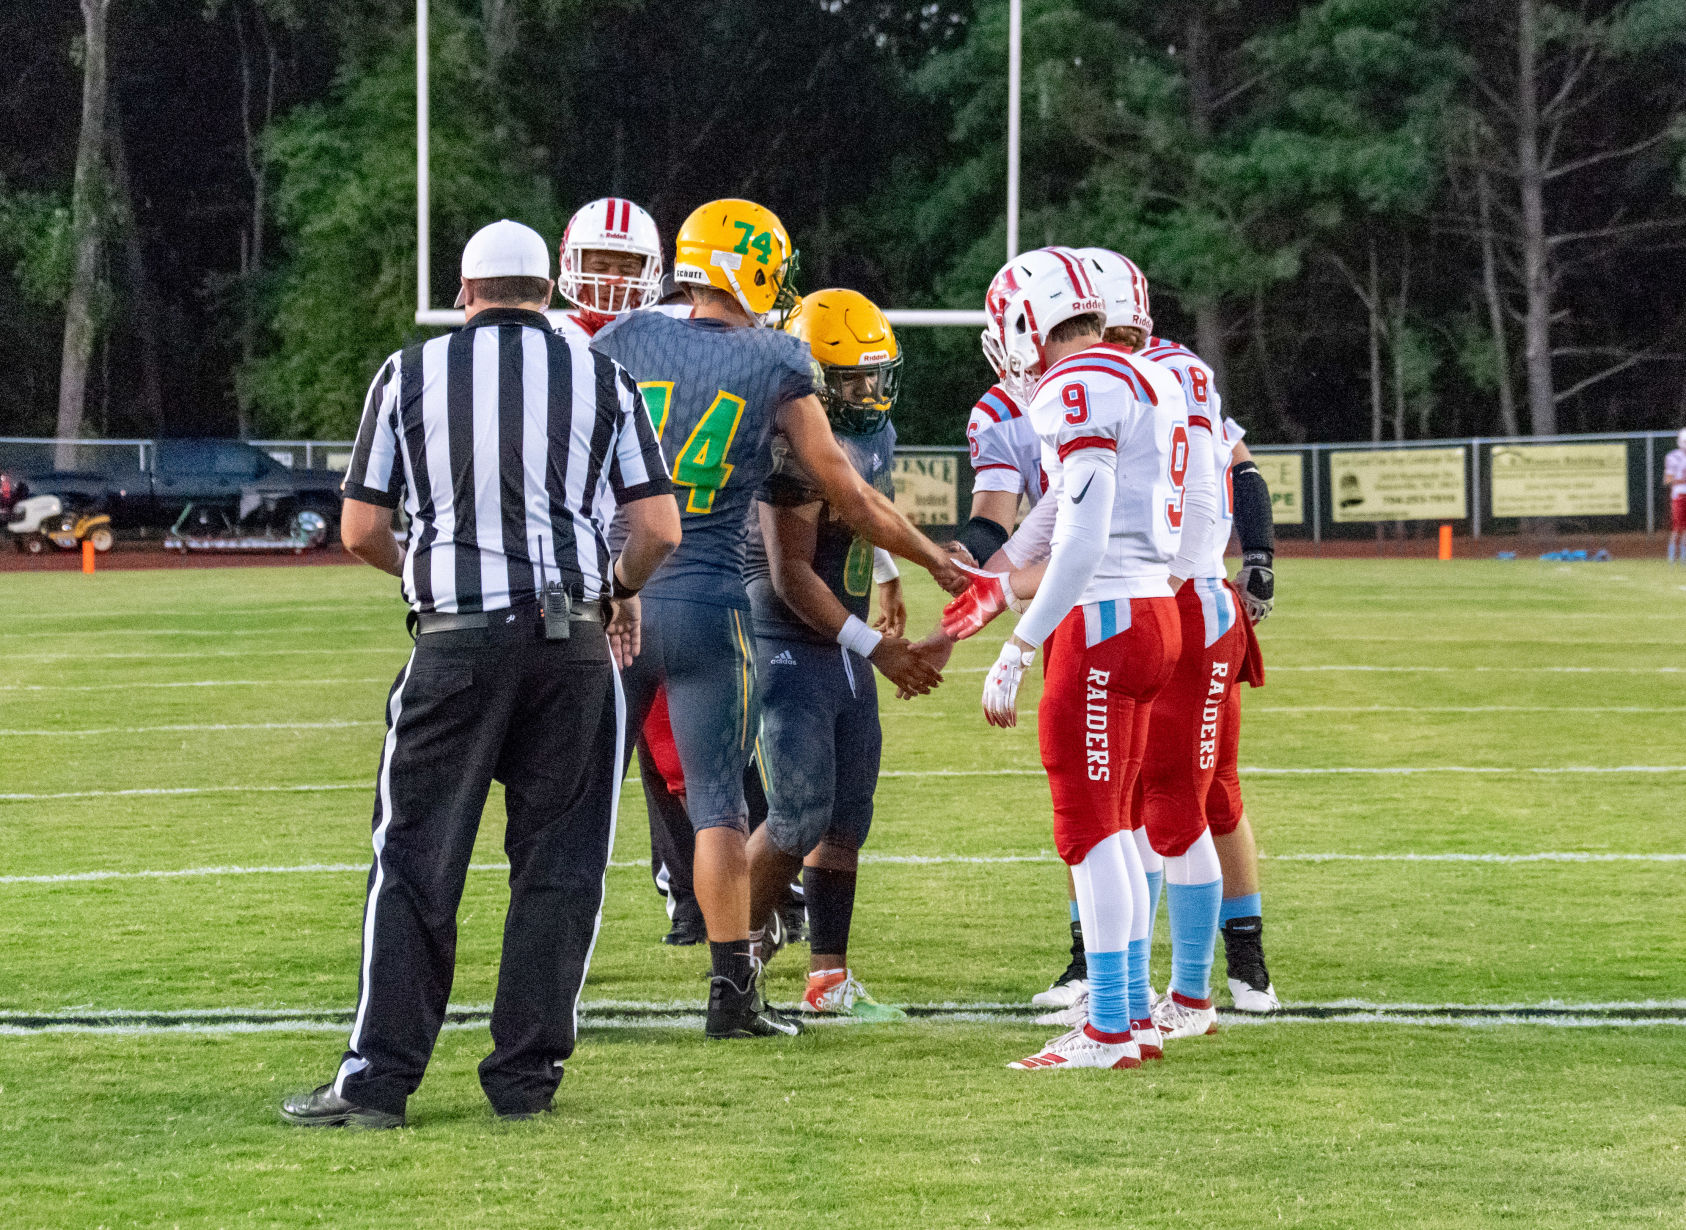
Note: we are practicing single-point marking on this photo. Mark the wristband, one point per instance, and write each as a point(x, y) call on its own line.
point(884, 568)
point(855, 636)
point(619, 590)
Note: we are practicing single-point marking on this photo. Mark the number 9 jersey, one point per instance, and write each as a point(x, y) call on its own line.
point(713, 391)
point(1102, 398)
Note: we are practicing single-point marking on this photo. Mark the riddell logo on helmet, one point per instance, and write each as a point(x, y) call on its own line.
point(875, 356)
point(1097, 752)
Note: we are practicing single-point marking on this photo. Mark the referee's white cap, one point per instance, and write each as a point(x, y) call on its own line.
point(504, 249)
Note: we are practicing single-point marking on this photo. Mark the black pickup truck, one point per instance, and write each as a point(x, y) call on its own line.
point(229, 480)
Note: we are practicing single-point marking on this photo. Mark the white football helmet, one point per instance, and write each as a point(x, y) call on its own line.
point(1042, 289)
point(1125, 288)
point(612, 224)
point(1680, 438)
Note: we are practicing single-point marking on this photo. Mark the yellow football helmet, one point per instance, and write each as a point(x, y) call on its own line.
point(741, 248)
point(856, 349)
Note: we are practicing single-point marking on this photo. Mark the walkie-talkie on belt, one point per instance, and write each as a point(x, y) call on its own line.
point(556, 607)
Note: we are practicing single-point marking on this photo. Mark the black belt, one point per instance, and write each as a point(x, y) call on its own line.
point(444, 621)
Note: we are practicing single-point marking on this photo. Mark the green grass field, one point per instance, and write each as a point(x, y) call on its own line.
point(223, 721)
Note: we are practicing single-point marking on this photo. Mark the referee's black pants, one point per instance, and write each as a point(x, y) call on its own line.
point(546, 719)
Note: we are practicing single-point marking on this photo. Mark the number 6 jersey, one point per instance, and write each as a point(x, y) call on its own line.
point(713, 391)
point(1101, 398)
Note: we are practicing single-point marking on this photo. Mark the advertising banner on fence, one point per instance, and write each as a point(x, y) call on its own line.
point(1560, 480)
point(1284, 473)
point(1406, 484)
point(926, 488)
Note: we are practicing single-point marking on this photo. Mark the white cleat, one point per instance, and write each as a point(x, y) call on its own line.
point(1149, 1040)
point(1251, 999)
point(1080, 1048)
point(1076, 1014)
point(1176, 1016)
point(1062, 994)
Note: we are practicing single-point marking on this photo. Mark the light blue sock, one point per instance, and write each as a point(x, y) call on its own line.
point(1240, 907)
point(1155, 881)
point(1074, 917)
point(1108, 992)
point(1141, 1007)
point(1194, 933)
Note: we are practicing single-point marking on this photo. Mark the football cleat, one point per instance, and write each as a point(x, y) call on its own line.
point(1148, 1038)
point(1251, 999)
point(1178, 1016)
point(742, 1012)
point(1249, 980)
point(1072, 983)
point(1084, 1048)
point(836, 993)
point(1075, 1013)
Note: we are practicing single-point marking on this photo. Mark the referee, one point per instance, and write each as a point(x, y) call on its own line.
point(508, 445)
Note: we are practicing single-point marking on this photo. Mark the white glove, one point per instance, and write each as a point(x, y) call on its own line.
point(1001, 685)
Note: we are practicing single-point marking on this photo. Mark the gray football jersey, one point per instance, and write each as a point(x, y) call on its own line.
point(713, 391)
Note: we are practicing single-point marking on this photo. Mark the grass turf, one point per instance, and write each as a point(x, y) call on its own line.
point(1394, 664)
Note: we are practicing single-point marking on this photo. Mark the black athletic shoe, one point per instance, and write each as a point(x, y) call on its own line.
point(1249, 980)
point(515, 1116)
point(322, 1107)
point(685, 934)
point(738, 1012)
point(687, 926)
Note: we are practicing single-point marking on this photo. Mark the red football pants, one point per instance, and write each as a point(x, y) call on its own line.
point(1185, 735)
point(664, 752)
point(1093, 721)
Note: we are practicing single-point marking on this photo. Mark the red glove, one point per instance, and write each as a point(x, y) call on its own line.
point(986, 597)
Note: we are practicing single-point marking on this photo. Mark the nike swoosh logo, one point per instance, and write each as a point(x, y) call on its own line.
point(1078, 498)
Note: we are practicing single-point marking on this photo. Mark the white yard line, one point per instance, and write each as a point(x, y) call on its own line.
point(190, 727)
point(1250, 770)
point(334, 652)
point(189, 683)
point(1466, 709)
point(892, 860)
point(672, 1014)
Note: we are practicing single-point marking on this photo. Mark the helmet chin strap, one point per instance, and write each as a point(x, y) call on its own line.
point(729, 263)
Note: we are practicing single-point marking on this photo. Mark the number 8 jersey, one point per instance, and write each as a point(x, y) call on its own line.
point(713, 391)
point(1102, 398)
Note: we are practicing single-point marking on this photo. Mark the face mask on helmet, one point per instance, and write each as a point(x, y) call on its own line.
point(858, 400)
point(610, 261)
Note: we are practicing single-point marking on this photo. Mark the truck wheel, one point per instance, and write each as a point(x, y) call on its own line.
point(102, 538)
point(313, 526)
point(34, 544)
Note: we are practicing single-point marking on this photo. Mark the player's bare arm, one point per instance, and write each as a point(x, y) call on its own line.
point(366, 531)
point(868, 512)
point(790, 536)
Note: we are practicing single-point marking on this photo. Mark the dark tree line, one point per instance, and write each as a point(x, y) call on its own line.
point(1377, 218)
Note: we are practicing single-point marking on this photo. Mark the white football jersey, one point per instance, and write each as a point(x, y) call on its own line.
point(1200, 389)
point(570, 326)
point(1101, 398)
point(1674, 470)
point(1006, 454)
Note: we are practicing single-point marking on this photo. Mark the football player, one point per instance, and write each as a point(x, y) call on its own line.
point(1674, 479)
point(811, 579)
point(1196, 733)
point(610, 263)
point(719, 385)
point(1115, 447)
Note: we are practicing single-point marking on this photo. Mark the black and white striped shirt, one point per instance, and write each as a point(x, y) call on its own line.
point(510, 446)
